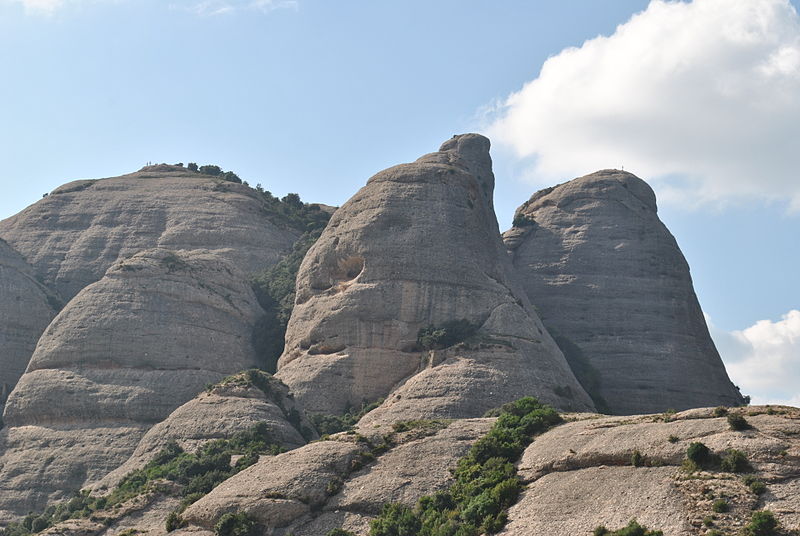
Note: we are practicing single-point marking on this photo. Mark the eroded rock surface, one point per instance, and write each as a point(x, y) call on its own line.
point(580, 476)
point(26, 308)
point(72, 236)
point(613, 287)
point(120, 357)
point(419, 246)
point(234, 405)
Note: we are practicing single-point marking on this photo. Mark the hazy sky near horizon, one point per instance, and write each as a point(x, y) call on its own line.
point(310, 96)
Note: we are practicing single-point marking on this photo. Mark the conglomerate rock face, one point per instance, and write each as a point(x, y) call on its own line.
point(613, 287)
point(419, 246)
point(72, 236)
point(120, 357)
point(26, 307)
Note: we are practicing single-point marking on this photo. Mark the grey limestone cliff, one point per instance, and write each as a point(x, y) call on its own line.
point(74, 234)
point(612, 285)
point(26, 307)
point(419, 246)
point(119, 358)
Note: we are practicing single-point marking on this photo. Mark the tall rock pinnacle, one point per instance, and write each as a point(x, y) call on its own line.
point(419, 246)
point(614, 289)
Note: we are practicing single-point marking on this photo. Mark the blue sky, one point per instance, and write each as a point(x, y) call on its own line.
point(315, 96)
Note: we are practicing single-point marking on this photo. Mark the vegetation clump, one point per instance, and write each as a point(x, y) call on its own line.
point(720, 506)
point(446, 335)
point(197, 473)
point(633, 528)
point(238, 524)
point(699, 455)
point(755, 484)
point(762, 523)
point(735, 461)
point(738, 422)
point(333, 424)
point(486, 483)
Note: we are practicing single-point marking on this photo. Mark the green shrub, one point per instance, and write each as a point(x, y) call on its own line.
point(239, 524)
point(448, 334)
point(339, 532)
point(522, 220)
point(673, 439)
point(395, 520)
point(762, 523)
point(720, 506)
point(755, 484)
point(174, 521)
point(637, 460)
point(333, 424)
point(735, 461)
point(708, 521)
point(720, 411)
point(738, 422)
point(633, 528)
point(699, 454)
point(486, 483)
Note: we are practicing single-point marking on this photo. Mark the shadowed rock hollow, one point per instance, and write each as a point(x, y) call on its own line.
point(419, 246)
point(612, 285)
point(120, 357)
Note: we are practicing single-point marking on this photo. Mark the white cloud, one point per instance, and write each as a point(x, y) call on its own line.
point(199, 7)
point(699, 97)
point(221, 7)
point(42, 7)
point(764, 359)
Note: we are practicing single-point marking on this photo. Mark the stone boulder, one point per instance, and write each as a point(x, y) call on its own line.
point(417, 247)
point(614, 289)
point(72, 236)
point(119, 358)
point(26, 308)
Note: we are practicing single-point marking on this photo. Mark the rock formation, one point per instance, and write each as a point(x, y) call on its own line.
point(612, 285)
point(234, 405)
point(419, 246)
point(26, 307)
point(74, 234)
point(120, 357)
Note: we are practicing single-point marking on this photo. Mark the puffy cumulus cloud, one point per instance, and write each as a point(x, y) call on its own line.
point(699, 97)
point(764, 359)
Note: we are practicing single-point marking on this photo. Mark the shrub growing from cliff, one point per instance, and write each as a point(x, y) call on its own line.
point(448, 334)
point(486, 483)
point(633, 528)
point(762, 523)
point(238, 524)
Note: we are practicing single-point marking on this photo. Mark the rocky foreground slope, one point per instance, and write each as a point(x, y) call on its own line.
point(614, 288)
point(418, 247)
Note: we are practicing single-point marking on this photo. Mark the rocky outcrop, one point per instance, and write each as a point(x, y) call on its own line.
point(234, 405)
point(612, 285)
point(72, 236)
point(580, 476)
point(341, 481)
point(26, 307)
point(419, 246)
point(120, 357)
point(577, 476)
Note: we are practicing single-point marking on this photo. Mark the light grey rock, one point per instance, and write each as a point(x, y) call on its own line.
point(579, 475)
point(72, 236)
point(419, 246)
point(120, 357)
point(279, 490)
point(612, 285)
point(231, 406)
point(26, 308)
